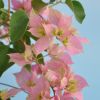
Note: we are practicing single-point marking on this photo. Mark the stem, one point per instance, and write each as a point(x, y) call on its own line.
point(13, 87)
point(9, 85)
point(53, 91)
point(8, 9)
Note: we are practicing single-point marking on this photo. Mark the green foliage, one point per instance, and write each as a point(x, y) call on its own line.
point(18, 25)
point(38, 4)
point(28, 67)
point(19, 46)
point(51, 1)
point(1, 4)
point(4, 58)
point(3, 15)
point(26, 38)
point(77, 9)
point(40, 59)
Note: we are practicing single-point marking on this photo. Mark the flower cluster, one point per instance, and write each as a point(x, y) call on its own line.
point(46, 72)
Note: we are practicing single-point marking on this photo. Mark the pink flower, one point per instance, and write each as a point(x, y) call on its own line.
point(76, 84)
point(63, 30)
point(33, 84)
point(61, 21)
point(39, 27)
point(56, 72)
point(22, 4)
point(81, 82)
point(18, 59)
point(74, 45)
point(42, 30)
point(35, 24)
point(22, 58)
point(59, 52)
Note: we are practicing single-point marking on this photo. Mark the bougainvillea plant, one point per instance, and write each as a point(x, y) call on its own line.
point(41, 40)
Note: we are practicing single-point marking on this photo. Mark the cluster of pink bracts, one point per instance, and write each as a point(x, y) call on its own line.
point(53, 80)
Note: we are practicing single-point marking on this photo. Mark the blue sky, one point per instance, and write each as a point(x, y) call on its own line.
point(86, 64)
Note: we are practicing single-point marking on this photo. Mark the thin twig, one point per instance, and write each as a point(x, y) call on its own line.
point(9, 85)
point(8, 9)
point(13, 87)
point(53, 91)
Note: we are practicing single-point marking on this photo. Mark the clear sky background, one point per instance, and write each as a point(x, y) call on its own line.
point(86, 64)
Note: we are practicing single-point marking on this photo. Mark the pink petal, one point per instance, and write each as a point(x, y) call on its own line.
point(84, 40)
point(27, 5)
point(21, 4)
point(36, 69)
point(81, 82)
point(55, 50)
point(34, 32)
point(78, 96)
point(49, 28)
point(41, 44)
point(74, 46)
point(18, 59)
point(13, 92)
point(67, 97)
point(66, 58)
point(64, 82)
point(22, 78)
point(34, 20)
point(65, 22)
point(16, 4)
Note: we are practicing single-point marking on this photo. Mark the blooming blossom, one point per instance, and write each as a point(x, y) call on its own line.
point(33, 84)
point(64, 30)
point(54, 75)
point(22, 58)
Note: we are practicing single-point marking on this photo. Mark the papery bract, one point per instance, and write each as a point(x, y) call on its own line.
point(63, 30)
point(51, 32)
point(4, 95)
point(42, 44)
point(32, 83)
point(59, 52)
point(22, 4)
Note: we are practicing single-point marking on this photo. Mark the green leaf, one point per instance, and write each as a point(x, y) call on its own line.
point(19, 46)
point(28, 67)
point(31, 36)
point(51, 1)
point(40, 59)
point(18, 25)
point(1, 4)
point(3, 15)
point(77, 8)
point(26, 38)
point(4, 58)
point(38, 4)
point(70, 4)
